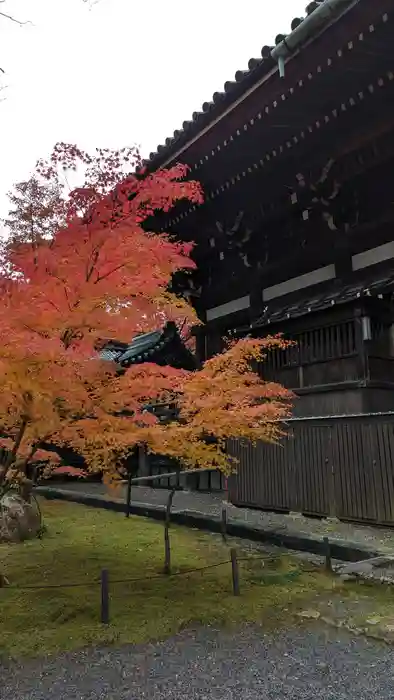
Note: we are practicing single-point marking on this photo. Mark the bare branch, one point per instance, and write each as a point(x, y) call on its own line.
point(13, 19)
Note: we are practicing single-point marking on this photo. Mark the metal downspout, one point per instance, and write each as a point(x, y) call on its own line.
point(323, 14)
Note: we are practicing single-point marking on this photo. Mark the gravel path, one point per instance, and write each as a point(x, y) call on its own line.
point(211, 503)
point(209, 665)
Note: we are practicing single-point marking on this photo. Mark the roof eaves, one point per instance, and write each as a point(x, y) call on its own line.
point(233, 90)
point(333, 296)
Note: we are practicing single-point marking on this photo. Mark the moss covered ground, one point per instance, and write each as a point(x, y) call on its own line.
point(39, 616)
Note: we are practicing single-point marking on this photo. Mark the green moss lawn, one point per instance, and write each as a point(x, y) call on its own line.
point(80, 541)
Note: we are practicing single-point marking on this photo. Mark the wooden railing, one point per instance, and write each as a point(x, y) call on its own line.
point(320, 356)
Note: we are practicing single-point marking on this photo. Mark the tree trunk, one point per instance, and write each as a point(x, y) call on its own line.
point(17, 443)
point(19, 465)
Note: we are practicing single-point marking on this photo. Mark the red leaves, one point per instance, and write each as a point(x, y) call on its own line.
point(70, 471)
point(82, 268)
point(102, 258)
point(45, 456)
point(6, 443)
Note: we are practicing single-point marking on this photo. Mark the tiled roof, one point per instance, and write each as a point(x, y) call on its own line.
point(332, 296)
point(243, 79)
point(163, 347)
point(141, 348)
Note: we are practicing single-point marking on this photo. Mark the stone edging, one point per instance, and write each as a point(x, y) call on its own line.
point(340, 549)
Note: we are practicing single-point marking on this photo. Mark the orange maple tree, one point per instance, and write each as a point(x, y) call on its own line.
point(78, 267)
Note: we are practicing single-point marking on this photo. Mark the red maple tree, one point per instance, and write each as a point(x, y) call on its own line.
point(78, 267)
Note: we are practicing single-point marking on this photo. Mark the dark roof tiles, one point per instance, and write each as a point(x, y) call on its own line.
point(162, 347)
point(296, 23)
point(334, 294)
point(264, 64)
point(140, 348)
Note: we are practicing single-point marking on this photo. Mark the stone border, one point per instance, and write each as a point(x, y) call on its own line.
point(342, 550)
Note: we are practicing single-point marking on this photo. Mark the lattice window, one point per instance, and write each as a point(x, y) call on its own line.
point(316, 345)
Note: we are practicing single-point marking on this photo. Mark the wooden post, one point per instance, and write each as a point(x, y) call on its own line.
point(327, 551)
point(128, 496)
point(167, 545)
point(143, 464)
point(235, 571)
point(223, 523)
point(104, 597)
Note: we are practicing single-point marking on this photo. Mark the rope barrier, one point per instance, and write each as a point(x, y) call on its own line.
point(97, 582)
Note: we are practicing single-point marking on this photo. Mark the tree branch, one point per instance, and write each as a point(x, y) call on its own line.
point(17, 442)
point(13, 19)
point(10, 18)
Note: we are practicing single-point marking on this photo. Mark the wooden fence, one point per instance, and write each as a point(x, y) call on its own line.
point(340, 467)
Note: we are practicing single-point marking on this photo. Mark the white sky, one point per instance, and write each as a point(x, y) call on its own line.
point(120, 73)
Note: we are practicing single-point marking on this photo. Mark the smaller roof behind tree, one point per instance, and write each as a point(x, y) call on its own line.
point(164, 347)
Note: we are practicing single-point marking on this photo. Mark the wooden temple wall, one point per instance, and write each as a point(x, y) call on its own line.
point(339, 467)
point(295, 220)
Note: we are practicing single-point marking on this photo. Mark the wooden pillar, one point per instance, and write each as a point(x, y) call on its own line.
point(361, 346)
point(143, 464)
point(343, 256)
point(256, 300)
point(201, 349)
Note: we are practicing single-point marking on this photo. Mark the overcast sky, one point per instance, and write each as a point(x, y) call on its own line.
point(121, 72)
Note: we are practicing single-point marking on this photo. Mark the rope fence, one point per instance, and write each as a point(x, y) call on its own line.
point(141, 579)
point(105, 581)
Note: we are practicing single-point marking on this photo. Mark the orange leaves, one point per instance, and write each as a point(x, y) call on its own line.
point(227, 399)
point(83, 268)
point(77, 268)
point(27, 451)
point(230, 379)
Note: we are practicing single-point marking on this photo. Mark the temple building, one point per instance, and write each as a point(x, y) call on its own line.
point(296, 235)
point(296, 232)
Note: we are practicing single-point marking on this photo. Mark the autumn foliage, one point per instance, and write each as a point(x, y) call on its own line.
point(79, 267)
